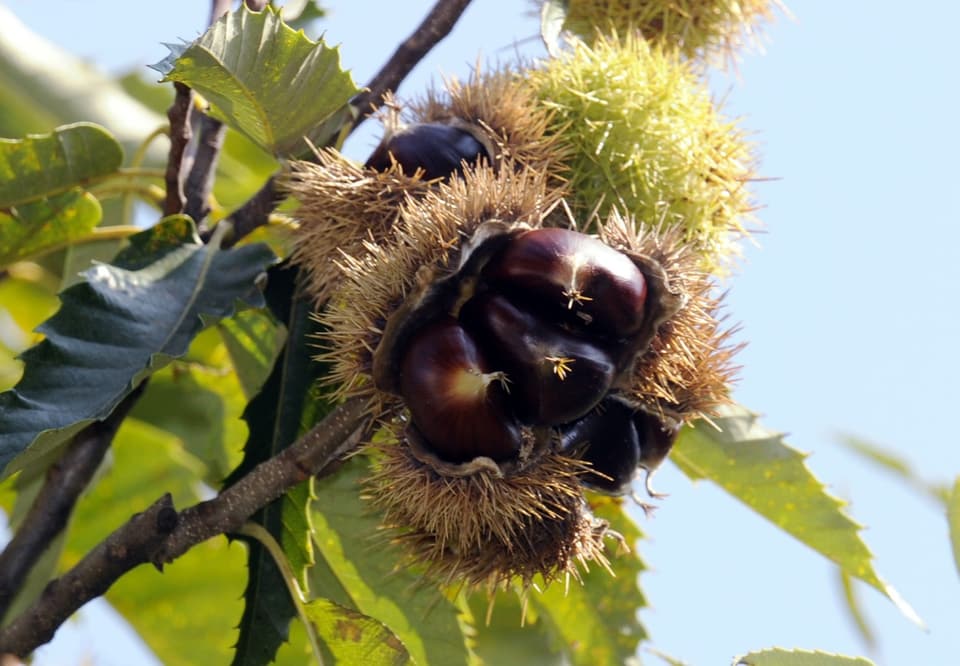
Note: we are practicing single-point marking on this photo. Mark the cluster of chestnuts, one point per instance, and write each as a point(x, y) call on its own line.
point(538, 338)
point(545, 331)
point(512, 360)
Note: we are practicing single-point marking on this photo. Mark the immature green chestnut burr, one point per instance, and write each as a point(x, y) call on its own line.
point(643, 137)
point(696, 28)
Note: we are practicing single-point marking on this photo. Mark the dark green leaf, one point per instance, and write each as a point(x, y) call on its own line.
point(782, 657)
point(46, 223)
point(112, 331)
point(596, 622)
point(354, 638)
point(346, 535)
point(274, 417)
point(758, 468)
point(264, 79)
point(43, 165)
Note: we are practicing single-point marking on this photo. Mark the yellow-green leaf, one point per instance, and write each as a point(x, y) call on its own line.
point(43, 165)
point(368, 572)
point(264, 79)
point(782, 657)
point(596, 622)
point(43, 224)
point(756, 466)
point(186, 614)
point(953, 518)
point(354, 638)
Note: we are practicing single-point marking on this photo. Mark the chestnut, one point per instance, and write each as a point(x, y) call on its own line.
point(438, 149)
point(566, 270)
point(656, 440)
point(455, 401)
point(607, 439)
point(554, 377)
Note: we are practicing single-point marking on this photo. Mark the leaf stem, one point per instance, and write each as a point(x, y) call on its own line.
point(267, 540)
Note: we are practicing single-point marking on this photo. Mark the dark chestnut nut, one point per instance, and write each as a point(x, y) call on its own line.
point(455, 402)
point(656, 440)
point(567, 270)
point(607, 439)
point(553, 376)
point(436, 148)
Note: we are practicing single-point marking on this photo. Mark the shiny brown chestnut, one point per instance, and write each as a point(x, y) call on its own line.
point(554, 377)
point(566, 270)
point(607, 439)
point(454, 399)
point(439, 150)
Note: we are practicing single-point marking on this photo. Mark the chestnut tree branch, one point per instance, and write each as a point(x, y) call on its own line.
point(160, 534)
point(51, 508)
point(179, 116)
point(437, 25)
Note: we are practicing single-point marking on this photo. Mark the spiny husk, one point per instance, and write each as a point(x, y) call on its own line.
point(423, 246)
point(507, 110)
point(645, 138)
point(486, 529)
point(342, 204)
point(696, 28)
point(687, 371)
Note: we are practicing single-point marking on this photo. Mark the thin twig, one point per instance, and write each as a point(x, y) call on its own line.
point(179, 116)
point(51, 508)
point(437, 25)
point(254, 213)
point(160, 534)
point(200, 179)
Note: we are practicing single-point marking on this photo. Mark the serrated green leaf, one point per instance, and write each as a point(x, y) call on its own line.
point(354, 638)
point(505, 639)
point(264, 79)
point(206, 418)
point(953, 520)
point(346, 533)
point(596, 622)
point(254, 342)
point(275, 419)
point(113, 330)
point(43, 165)
point(782, 657)
point(553, 14)
point(46, 223)
point(186, 614)
point(757, 467)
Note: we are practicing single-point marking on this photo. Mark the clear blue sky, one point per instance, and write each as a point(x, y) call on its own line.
point(849, 303)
